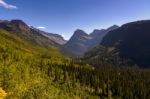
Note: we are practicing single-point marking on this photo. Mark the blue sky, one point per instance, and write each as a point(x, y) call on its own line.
point(65, 16)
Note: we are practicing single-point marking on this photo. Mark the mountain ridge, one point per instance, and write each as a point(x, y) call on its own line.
point(81, 41)
point(20, 28)
point(129, 43)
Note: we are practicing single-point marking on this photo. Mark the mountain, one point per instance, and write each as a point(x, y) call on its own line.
point(14, 25)
point(98, 35)
point(130, 42)
point(31, 69)
point(52, 36)
point(55, 37)
point(80, 42)
point(36, 36)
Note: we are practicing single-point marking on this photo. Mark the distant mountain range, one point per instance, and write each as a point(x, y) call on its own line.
point(81, 42)
point(129, 43)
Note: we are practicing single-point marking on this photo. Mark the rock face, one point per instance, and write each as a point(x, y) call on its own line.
point(55, 37)
point(130, 42)
point(80, 42)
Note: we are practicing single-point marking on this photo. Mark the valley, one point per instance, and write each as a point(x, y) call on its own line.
point(38, 65)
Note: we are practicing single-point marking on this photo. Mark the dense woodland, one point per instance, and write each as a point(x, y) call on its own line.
point(31, 71)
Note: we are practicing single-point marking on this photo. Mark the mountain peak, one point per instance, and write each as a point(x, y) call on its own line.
point(18, 23)
point(80, 42)
point(1, 20)
point(113, 27)
point(80, 32)
point(97, 30)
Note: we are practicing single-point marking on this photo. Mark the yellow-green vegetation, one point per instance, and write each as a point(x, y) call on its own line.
point(32, 71)
point(2, 93)
point(29, 71)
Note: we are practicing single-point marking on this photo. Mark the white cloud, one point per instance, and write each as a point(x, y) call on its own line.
point(41, 27)
point(6, 5)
